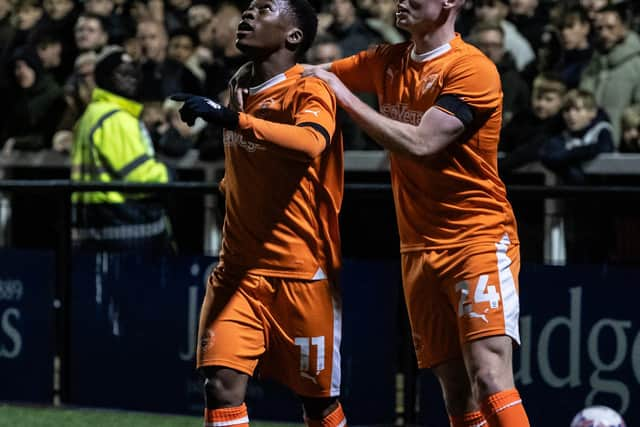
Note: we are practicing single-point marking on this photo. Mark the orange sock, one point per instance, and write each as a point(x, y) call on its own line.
point(235, 416)
point(504, 409)
point(334, 419)
point(470, 419)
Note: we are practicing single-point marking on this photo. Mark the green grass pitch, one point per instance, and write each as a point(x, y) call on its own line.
point(29, 416)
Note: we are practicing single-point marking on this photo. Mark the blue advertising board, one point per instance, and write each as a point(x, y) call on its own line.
point(26, 325)
point(134, 320)
point(580, 330)
point(133, 330)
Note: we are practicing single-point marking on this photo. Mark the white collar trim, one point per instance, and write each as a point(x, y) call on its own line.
point(424, 57)
point(269, 83)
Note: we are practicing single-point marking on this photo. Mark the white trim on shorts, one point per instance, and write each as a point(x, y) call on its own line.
point(510, 298)
point(337, 338)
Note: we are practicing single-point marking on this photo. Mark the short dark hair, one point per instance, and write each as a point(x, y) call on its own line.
point(571, 15)
point(307, 19)
point(104, 23)
point(185, 32)
point(620, 8)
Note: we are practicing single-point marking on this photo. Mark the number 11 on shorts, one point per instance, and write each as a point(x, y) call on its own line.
point(305, 344)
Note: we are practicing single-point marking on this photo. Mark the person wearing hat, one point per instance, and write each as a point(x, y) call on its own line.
point(36, 102)
point(112, 145)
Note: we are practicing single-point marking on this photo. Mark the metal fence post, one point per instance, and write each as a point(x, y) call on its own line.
point(62, 300)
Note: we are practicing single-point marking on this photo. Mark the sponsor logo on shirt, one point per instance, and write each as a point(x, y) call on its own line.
point(401, 113)
point(429, 82)
point(234, 139)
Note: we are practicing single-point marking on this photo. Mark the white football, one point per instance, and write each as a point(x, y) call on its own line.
point(597, 416)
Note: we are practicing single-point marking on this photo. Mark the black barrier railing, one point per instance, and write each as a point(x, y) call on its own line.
point(516, 190)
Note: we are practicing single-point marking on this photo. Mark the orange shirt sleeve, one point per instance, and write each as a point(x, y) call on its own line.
point(363, 71)
point(314, 124)
point(476, 82)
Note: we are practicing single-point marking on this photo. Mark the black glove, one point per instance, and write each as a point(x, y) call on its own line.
point(199, 106)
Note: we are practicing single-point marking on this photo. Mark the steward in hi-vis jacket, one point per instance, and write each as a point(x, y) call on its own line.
point(110, 145)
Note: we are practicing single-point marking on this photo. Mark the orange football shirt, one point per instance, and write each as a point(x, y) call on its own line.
point(455, 196)
point(282, 212)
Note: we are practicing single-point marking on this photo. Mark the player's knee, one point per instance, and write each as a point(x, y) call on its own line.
point(487, 380)
point(223, 389)
point(488, 363)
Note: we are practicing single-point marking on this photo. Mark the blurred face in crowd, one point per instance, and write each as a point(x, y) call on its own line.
point(385, 10)
point(153, 39)
point(83, 69)
point(546, 104)
point(99, 7)
point(574, 34)
point(523, 7)
point(180, 4)
point(593, 6)
point(127, 78)
point(323, 53)
point(25, 75)
point(631, 136)
point(490, 10)
point(89, 34)
point(577, 115)
point(57, 9)
point(223, 32)
point(133, 47)
point(343, 11)
point(180, 48)
point(50, 54)
point(609, 29)
point(366, 5)
point(5, 8)
point(198, 15)
point(491, 43)
point(28, 16)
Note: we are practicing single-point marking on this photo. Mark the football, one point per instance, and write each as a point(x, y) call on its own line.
point(597, 416)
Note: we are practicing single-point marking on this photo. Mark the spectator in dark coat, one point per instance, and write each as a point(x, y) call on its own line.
point(489, 38)
point(574, 28)
point(162, 76)
point(220, 38)
point(349, 29)
point(37, 103)
point(529, 16)
point(586, 134)
point(523, 137)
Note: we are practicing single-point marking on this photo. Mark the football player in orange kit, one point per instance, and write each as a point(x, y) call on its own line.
point(440, 117)
point(273, 302)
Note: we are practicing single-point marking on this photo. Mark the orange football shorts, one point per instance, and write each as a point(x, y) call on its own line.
point(289, 329)
point(458, 295)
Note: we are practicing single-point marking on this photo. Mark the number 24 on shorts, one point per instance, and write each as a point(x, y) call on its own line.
point(483, 293)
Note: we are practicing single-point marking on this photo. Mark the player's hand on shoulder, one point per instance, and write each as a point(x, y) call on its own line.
point(199, 106)
point(319, 72)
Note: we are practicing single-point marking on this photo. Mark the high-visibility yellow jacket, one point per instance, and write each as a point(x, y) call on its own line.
point(111, 144)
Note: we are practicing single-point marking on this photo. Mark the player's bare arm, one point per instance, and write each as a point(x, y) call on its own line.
point(435, 131)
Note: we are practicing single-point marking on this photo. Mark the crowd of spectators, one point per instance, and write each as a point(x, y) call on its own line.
point(557, 60)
